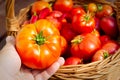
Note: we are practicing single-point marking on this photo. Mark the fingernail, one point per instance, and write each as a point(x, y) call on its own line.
point(61, 60)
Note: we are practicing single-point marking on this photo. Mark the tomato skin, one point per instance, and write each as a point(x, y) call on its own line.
point(111, 46)
point(83, 23)
point(92, 7)
point(100, 55)
point(64, 45)
point(55, 22)
point(38, 6)
point(73, 61)
point(105, 10)
point(77, 10)
point(67, 32)
point(63, 5)
point(104, 39)
point(109, 26)
point(32, 53)
point(84, 46)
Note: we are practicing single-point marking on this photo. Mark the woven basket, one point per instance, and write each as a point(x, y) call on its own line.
point(108, 69)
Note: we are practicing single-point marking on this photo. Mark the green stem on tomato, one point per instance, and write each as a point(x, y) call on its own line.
point(106, 54)
point(77, 40)
point(40, 39)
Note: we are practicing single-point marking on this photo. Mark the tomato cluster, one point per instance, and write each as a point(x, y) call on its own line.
point(80, 34)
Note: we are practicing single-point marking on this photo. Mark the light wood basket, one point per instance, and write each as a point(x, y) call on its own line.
point(108, 69)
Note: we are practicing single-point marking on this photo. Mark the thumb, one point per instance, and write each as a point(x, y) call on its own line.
point(9, 58)
point(10, 39)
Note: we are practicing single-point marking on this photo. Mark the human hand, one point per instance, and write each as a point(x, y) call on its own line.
point(11, 68)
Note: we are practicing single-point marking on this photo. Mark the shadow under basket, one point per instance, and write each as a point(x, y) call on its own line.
point(108, 69)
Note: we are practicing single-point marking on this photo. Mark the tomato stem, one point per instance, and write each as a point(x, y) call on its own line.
point(105, 54)
point(40, 39)
point(77, 40)
point(99, 7)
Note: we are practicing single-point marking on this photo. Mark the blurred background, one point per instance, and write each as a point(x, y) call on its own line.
point(19, 4)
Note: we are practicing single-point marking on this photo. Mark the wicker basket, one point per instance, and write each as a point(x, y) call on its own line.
point(108, 69)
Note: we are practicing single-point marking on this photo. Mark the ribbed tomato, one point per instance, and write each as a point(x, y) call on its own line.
point(38, 44)
point(85, 45)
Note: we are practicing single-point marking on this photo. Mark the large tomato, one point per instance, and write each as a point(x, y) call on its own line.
point(83, 23)
point(63, 5)
point(84, 46)
point(39, 44)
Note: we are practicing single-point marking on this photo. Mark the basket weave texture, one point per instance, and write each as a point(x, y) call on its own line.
point(108, 69)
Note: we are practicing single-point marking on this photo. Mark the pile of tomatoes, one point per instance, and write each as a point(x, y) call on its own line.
point(81, 34)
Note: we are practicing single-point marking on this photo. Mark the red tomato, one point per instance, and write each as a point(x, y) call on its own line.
point(39, 44)
point(109, 26)
point(73, 61)
point(104, 10)
point(56, 14)
point(100, 55)
point(63, 5)
point(67, 32)
point(83, 23)
point(39, 5)
point(84, 46)
point(77, 10)
point(111, 47)
point(104, 39)
point(63, 45)
point(97, 24)
point(55, 21)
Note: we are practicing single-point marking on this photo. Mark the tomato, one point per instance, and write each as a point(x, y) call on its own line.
point(39, 44)
point(92, 7)
point(73, 61)
point(97, 24)
point(55, 22)
point(109, 26)
point(63, 5)
point(44, 13)
point(56, 14)
point(100, 55)
point(104, 39)
point(39, 5)
point(77, 10)
point(111, 46)
point(96, 33)
point(107, 10)
point(83, 23)
point(84, 46)
point(104, 10)
point(67, 32)
point(63, 45)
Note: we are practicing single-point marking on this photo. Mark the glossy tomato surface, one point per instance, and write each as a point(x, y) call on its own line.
point(63, 5)
point(83, 23)
point(84, 46)
point(39, 44)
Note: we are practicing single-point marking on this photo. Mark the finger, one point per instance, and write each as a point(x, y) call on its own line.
point(25, 74)
point(9, 58)
point(51, 70)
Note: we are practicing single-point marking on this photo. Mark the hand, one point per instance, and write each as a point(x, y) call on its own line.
point(11, 68)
